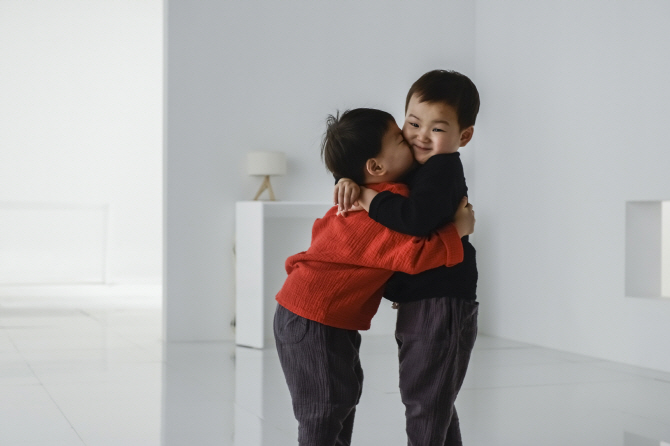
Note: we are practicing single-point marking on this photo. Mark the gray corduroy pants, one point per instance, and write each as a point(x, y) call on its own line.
point(324, 376)
point(435, 339)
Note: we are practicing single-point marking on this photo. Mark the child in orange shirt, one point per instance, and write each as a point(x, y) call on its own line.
point(334, 288)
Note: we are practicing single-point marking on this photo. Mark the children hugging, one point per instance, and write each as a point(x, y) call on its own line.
point(399, 230)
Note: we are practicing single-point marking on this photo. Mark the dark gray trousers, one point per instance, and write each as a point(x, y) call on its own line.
point(435, 339)
point(324, 377)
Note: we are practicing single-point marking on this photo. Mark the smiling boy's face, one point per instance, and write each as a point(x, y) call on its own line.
point(432, 128)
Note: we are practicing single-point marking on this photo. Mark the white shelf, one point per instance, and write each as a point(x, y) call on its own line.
point(266, 233)
point(648, 249)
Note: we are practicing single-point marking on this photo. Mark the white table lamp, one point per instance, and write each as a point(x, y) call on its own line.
point(266, 164)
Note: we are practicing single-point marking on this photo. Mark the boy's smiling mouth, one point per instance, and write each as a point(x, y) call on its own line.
point(420, 148)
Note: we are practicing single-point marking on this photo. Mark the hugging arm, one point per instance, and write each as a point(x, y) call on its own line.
point(394, 251)
point(430, 204)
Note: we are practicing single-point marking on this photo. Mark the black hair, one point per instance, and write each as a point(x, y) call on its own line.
point(450, 88)
point(352, 139)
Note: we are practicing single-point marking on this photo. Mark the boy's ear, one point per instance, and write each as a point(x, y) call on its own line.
point(373, 167)
point(466, 135)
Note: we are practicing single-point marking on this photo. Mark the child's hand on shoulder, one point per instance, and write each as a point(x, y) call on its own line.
point(464, 218)
point(345, 196)
point(354, 208)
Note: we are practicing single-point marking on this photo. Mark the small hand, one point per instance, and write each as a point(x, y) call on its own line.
point(345, 196)
point(464, 218)
point(355, 208)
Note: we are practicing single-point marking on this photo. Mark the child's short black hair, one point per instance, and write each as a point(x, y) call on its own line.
point(450, 88)
point(352, 139)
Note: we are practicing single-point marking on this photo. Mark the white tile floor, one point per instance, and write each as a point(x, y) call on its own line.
point(77, 376)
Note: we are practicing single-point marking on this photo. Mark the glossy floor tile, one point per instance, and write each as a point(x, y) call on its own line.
point(100, 375)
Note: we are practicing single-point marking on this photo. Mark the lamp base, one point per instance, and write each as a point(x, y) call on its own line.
point(265, 185)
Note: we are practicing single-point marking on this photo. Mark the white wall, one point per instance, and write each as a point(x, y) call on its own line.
point(247, 76)
point(575, 107)
point(81, 120)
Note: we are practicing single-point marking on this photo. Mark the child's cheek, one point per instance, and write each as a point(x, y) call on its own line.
point(414, 154)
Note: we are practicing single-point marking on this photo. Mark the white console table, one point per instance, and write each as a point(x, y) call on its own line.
point(266, 233)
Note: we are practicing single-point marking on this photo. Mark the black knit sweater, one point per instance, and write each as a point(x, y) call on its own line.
point(436, 189)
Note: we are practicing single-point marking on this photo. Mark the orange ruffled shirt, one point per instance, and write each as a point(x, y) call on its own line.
point(340, 279)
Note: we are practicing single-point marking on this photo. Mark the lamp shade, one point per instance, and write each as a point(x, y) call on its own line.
point(266, 163)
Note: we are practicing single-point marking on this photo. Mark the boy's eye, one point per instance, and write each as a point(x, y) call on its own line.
point(413, 124)
point(438, 130)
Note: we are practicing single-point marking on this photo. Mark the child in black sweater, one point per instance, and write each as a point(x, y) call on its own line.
point(436, 326)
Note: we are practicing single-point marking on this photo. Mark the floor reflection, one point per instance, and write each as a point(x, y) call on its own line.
point(198, 394)
point(73, 377)
point(220, 394)
point(515, 394)
point(637, 440)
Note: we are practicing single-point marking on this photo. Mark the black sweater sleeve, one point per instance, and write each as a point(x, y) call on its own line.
point(432, 201)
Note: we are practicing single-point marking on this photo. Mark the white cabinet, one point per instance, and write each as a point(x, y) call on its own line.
point(266, 233)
